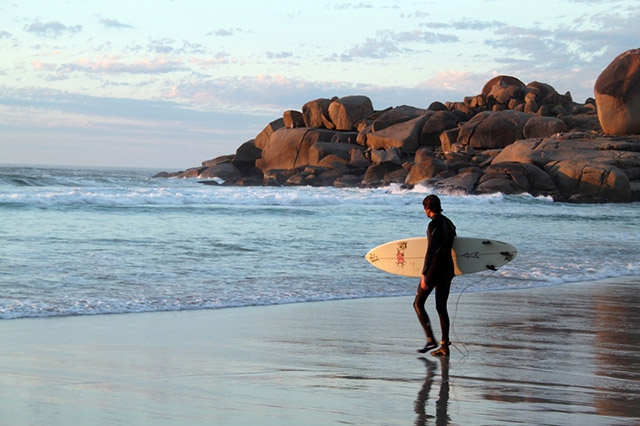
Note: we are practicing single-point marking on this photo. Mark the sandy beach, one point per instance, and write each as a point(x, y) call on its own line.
point(560, 355)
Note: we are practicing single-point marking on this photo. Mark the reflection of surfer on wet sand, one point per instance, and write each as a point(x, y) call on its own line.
point(442, 403)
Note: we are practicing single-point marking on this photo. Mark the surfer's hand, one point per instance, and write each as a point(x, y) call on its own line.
point(423, 282)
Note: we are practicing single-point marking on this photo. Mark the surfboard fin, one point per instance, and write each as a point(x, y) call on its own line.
point(491, 268)
point(507, 255)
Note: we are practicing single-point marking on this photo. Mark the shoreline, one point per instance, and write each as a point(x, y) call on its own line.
point(455, 290)
point(562, 354)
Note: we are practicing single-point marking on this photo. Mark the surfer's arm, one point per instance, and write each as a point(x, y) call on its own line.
point(433, 245)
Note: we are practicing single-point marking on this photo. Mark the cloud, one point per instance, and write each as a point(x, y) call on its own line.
point(416, 14)
point(113, 23)
point(219, 58)
point(113, 65)
point(166, 46)
point(279, 55)
point(387, 43)
point(163, 45)
point(225, 32)
point(345, 6)
point(52, 29)
point(472, 24)
point(4, 34)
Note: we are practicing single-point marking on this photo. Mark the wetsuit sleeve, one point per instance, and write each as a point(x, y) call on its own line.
point(438, 260)
point(433, 238)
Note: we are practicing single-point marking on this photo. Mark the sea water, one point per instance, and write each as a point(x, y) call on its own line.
point(81, 241)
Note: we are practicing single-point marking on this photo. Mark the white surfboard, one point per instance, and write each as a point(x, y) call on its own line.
point(406, 257)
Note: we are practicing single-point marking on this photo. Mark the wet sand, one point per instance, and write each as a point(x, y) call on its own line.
point(558, 355)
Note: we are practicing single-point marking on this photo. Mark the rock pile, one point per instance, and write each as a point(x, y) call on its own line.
point(510, 138)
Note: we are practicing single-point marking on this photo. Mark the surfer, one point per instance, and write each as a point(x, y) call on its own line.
point(437, 274)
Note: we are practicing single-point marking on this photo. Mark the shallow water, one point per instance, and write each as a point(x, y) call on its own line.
point(92, 241)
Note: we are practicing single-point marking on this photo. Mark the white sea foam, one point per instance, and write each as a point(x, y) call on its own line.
point(191, 194)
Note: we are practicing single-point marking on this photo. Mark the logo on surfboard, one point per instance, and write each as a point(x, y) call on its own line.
point(471, 255)
point(400, 260)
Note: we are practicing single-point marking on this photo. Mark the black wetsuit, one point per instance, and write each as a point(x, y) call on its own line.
point(438, 271)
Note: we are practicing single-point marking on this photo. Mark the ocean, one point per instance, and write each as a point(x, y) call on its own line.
point(86, 241)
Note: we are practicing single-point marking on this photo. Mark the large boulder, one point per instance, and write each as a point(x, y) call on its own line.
point(390, 155)
point(448, 139)
point(320, 135)
point(495, 130)
point(277, 177)
point(404, 135)
point(246, 155)
point(345, 137)
point(218, 160)
point(464, 183)
point(543, 94)
point(425, 169)
point(540, 127)
point(359, 160)
point(516, 178)
point(192, 172)
point(502, 88)
point(333, 161)
point(347, 181)
point(286, 149)
point(225, 171)
point(263, 137)
point(617, 92)
point(396, 115)
point(490, 130)
point(381, 173)
point(591, 180)
point(435, 124)
point(345, 112)
point(293, 119)
point(320, 150)
point(316, 113)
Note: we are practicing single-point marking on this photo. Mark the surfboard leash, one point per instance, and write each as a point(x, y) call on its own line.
point(465, 354)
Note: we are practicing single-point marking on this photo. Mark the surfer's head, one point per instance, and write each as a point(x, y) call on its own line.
point(432, 202)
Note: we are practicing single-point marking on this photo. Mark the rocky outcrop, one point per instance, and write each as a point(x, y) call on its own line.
point(510, 138)
point(617, 93)
point(593, 166)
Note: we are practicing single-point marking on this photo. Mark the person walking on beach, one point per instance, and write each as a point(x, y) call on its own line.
point(437, 273)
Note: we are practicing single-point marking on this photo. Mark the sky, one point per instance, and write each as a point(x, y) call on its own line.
point(168, 84)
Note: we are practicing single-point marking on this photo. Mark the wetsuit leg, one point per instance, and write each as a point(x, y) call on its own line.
point(442, 295)
point(418, 305)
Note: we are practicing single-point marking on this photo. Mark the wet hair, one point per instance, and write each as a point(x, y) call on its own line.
point(432, 202)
